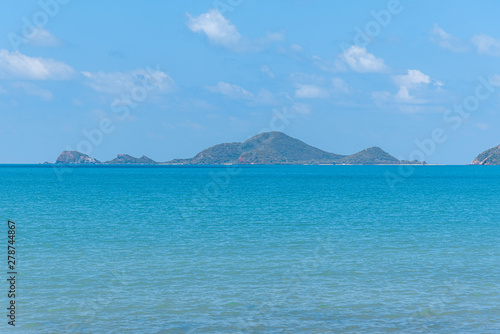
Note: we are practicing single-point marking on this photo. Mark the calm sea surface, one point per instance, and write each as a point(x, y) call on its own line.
point(269, 249)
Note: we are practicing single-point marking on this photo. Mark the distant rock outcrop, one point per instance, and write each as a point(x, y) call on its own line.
point(488, 157)
point(277, 148)
point(76, 158)
point(125, 159)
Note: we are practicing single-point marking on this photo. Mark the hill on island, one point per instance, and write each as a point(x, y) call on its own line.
point(373, 156)
point(278, 148)
point(125, 159)
point(77, 158)
point(488, 157)
point(270, 148)
point(266, 149)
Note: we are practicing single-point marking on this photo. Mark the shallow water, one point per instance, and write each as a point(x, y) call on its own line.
point(259, 249)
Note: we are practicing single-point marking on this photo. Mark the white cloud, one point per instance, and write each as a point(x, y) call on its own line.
point(111, 83)
point(404, 93)
point(359, 60)
point(310, 92)
point(120, 82)
point(266, 70)
point(409, 81)
point(313, 86)
point(340, 86)
point(43, 37)
point(296, 48)
point(15, 65)
point(417, 93)
point(386, 101)
point(230, 90)
point(217, 28)
point(447, 41)
point(220, 31)
point(33, 90)
point(486, 45)
point(414, 77)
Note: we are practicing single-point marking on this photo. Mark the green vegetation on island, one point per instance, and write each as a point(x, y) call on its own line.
point(270, 148)
point(77, 158)
point(488, 157)
point(273, 148)
point(125, 159)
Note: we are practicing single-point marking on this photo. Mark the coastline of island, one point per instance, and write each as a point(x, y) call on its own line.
point(269, 148)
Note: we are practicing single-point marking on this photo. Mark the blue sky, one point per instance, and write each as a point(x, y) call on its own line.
point(166, 79)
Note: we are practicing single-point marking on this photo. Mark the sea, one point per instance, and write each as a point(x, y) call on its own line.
point(252, 249)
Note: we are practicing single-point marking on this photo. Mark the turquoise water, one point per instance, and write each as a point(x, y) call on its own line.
point(270, 249)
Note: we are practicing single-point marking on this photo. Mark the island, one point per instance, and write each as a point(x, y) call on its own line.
point(125, 159)
point(269, 148)
point(488, 157)
point(77, 158)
